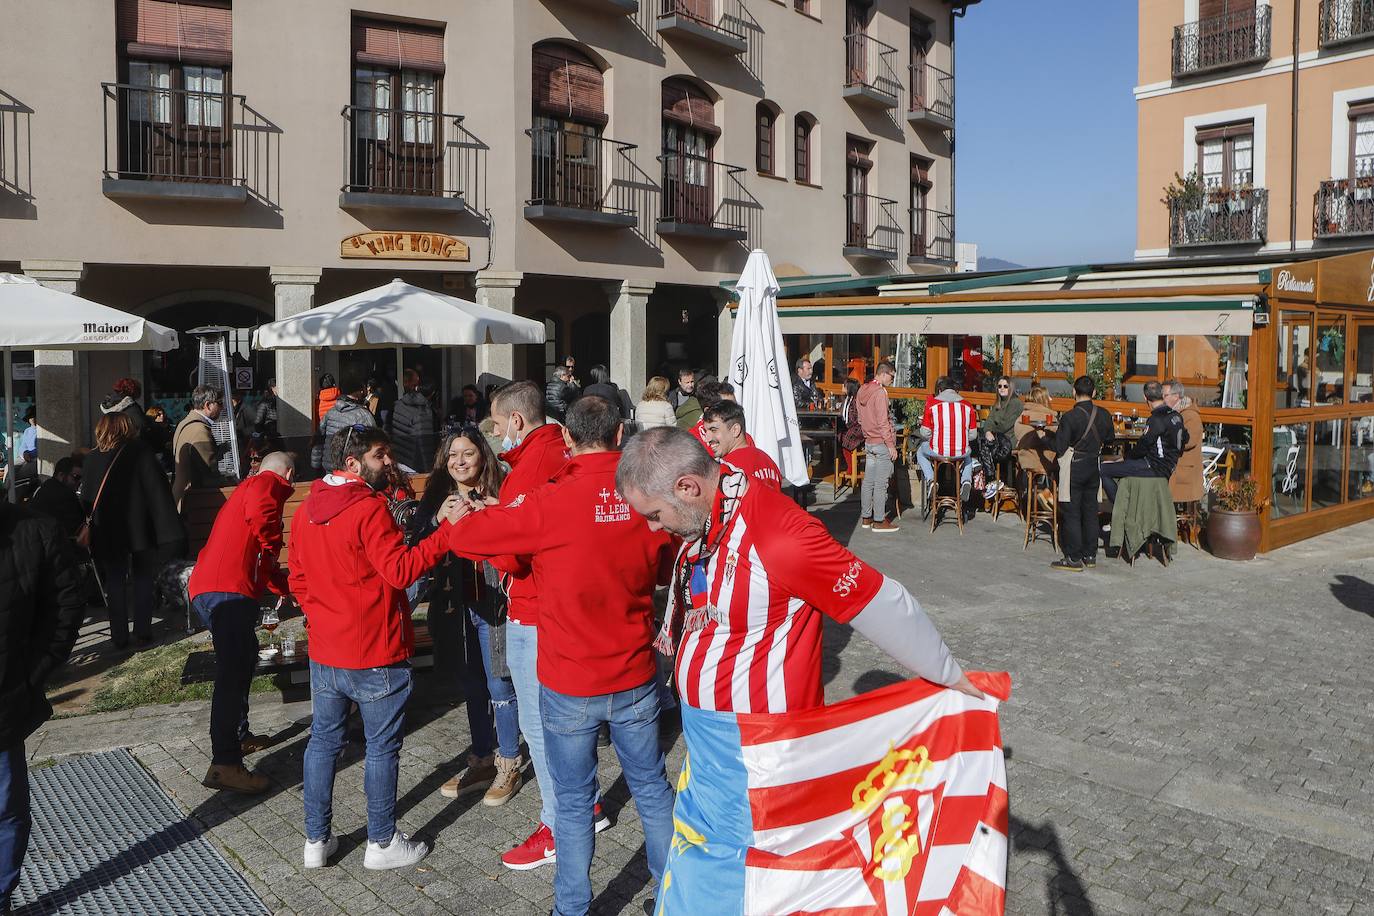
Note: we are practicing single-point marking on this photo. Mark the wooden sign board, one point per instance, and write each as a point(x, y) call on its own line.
point(1297, 282)
point(1348, 279)
point(404, 246)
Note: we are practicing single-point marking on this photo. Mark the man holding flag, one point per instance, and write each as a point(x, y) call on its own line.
point(763, 797)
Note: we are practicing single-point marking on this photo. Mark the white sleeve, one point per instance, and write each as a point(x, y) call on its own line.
point(894, 622)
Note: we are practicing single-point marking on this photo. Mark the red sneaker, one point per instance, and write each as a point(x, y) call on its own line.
point(534, 852)
point(602, 821)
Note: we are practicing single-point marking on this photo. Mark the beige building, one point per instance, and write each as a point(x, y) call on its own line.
point(1266, 110)
point(601, 165)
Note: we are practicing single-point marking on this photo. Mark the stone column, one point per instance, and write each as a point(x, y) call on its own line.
point(496, 289)
point(725, 332)
point(294, 291)
point(55, 373)
point(629, 334)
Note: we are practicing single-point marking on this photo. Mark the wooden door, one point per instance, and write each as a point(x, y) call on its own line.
point(856, 187)
point(688, 174)
point(855, 20)
point(204, 129)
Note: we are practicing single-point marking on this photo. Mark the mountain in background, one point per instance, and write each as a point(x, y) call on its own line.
point(998, 264)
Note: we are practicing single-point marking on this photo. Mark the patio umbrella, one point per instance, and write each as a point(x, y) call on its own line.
point(755, 355)
point(39, 318)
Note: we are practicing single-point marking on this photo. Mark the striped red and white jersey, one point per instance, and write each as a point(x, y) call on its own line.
point(950, 423)
point(755, 462)
point(773, 569)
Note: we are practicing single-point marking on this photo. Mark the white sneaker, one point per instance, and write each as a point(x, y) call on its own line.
point(317, 854)
point(402, 851)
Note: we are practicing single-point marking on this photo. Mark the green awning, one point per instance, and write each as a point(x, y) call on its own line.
point(813, 284)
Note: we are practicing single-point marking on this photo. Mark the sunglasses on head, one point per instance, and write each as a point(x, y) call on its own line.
point(355, 428)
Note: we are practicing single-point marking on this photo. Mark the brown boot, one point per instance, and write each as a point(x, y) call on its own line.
point(506, 784)
point(479, 774)
point(235, 779)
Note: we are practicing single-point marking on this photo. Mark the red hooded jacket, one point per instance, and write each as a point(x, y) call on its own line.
point(350, 568)
point(241, 553)
point(533, 463)
point(598, 556)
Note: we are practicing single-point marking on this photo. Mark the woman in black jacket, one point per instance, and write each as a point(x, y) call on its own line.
point(134, 520)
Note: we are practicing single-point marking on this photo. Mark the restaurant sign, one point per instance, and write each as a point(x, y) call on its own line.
point(1342, 280)
point(406, 246)
point(1297, 281)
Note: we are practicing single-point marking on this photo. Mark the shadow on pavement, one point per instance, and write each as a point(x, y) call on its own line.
point(1355, 593)
point(1064, 891)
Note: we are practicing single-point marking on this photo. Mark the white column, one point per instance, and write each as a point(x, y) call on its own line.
point(496, 289)
point(294, 291)
point(55, 373)
point(629, 334)
point(725, 332)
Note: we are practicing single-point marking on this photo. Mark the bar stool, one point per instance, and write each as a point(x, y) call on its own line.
point(1190, 523)
point(849, 476)
point(1007, 496)
point(1037, 512)
point(954, 499)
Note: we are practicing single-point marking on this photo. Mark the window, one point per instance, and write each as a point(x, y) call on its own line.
point(802, 6)
point(801, 148)
point(397, 142)
point(568, 91)
point(689, 133)
point(1226, 155)
point(919, 214)
point(1362, 140)
point(764, 116)
point(857, 167)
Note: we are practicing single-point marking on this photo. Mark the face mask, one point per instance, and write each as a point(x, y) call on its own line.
point(507, 443)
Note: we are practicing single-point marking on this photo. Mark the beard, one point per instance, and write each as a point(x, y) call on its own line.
point(692, 521)
point(374, 476)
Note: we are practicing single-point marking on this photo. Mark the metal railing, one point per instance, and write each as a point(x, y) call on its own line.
point(187, 135)
point(725, 16)
point(581, 169)
point(869, 63)
point(1228, 40)
point(16, 155)
point(702, 192)
point(1344, 20)
point(932, 89)
point(407, 152)
point(871, 222)
point(1222, 216)
point(1344, 207)
point(932, 234)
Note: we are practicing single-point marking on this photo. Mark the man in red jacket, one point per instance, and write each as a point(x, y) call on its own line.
point(595, 662)
point(350, 568)
point(237, 562)
point(729, 441)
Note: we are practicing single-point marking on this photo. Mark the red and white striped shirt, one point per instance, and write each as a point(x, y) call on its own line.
point(950, 423)
point(772, 570)
point(755, 462)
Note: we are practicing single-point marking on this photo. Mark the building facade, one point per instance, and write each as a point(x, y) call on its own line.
point(600, 165)
point(1256, 126)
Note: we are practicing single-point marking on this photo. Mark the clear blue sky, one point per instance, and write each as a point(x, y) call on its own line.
point(1046, 144)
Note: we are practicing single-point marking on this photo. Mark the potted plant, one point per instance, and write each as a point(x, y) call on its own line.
point(1233, 522)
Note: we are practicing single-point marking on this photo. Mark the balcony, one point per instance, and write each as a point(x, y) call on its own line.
point(715, 25)
point(1219, 216)
point(704, 199)
point(932, 238)
point(1343, 21)
point(402, 159)
point(577, 176)
point(610, 7)
point(1344, 208)
point(871, 229)
point(187, 145)
point(869, 77)
point(932, 97)
point(1219, 42)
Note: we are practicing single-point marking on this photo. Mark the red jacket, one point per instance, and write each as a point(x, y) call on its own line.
point(592, 551)
point(350, 568)
point(241, 553)
point(533, 463)
point(755, 462)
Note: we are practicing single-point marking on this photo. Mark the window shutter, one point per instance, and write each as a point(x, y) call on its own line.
point(1360, 109)
point(920, 171)
point(398, 45)
point(1225, 131)
point(688, 105)
point(568, 86)
point(195, 31)
point(857, 153)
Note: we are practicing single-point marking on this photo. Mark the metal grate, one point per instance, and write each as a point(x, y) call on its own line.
point(107, 839)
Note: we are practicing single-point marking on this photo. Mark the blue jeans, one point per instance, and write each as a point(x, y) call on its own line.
point(490, 700)
point(15, 819)
point(381, 695)
point(232, 620)
point(925, 453)
point(570, 726)
point(522, 654)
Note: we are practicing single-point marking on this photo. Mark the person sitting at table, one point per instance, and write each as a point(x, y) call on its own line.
point(994, 442)
point(851, 433)
point(946, 426)
point(1156, 454)
point(1038, 408)
point(1185, 484)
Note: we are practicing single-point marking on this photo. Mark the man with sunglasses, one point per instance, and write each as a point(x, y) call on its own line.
point(56, 497)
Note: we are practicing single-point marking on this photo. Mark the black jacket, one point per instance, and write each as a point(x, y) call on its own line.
point(57, 501)
point(1163, 441)
point(558, 397)
point(414, 431)
point(136, 511)
point(41, 607)
point(266, 422)
point(1073, 427)
point(611, 392)
point(804, 392)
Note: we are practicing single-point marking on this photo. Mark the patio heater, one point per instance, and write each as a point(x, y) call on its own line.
point(213, 368)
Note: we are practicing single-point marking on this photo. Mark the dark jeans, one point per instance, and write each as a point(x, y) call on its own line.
point(1113, 471)
point(1079, 529)
point(15, 819)
point(232, 620)
point(115, 573)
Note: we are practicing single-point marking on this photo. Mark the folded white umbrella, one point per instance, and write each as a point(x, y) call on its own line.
point(398, 315)
point(756, 352)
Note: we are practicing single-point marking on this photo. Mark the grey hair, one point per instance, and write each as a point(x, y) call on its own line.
point(205, 395)
point(1174, 384)
point(653, 460)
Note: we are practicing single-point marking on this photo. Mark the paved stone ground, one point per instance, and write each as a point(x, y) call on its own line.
point(1189, 740)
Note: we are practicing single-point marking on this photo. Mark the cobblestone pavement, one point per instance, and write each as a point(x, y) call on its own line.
point(1189, 740)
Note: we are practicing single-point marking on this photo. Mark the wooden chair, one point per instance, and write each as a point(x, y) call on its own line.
point(1037, 511)
point(954, 499)
point(850, 476)
point(1190, 522)
point(1007, 496)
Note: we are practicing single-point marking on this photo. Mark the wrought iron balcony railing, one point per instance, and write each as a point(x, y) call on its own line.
point(1344, 207)
point(869, 70)
point(582, 170)
point(400, 153)
point(725, 22)
point(174, 139)
point(16, 158)
point(932, 95)
point(871, 227)
point(704, 198)
point(1217, 42)
point(932, 235)
point(1223, 216)
point(1345, 20)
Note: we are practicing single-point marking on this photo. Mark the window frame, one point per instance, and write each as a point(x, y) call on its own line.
point(1228, 134)
point(1357, 112)
point(802, 164)
point(765, 147)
